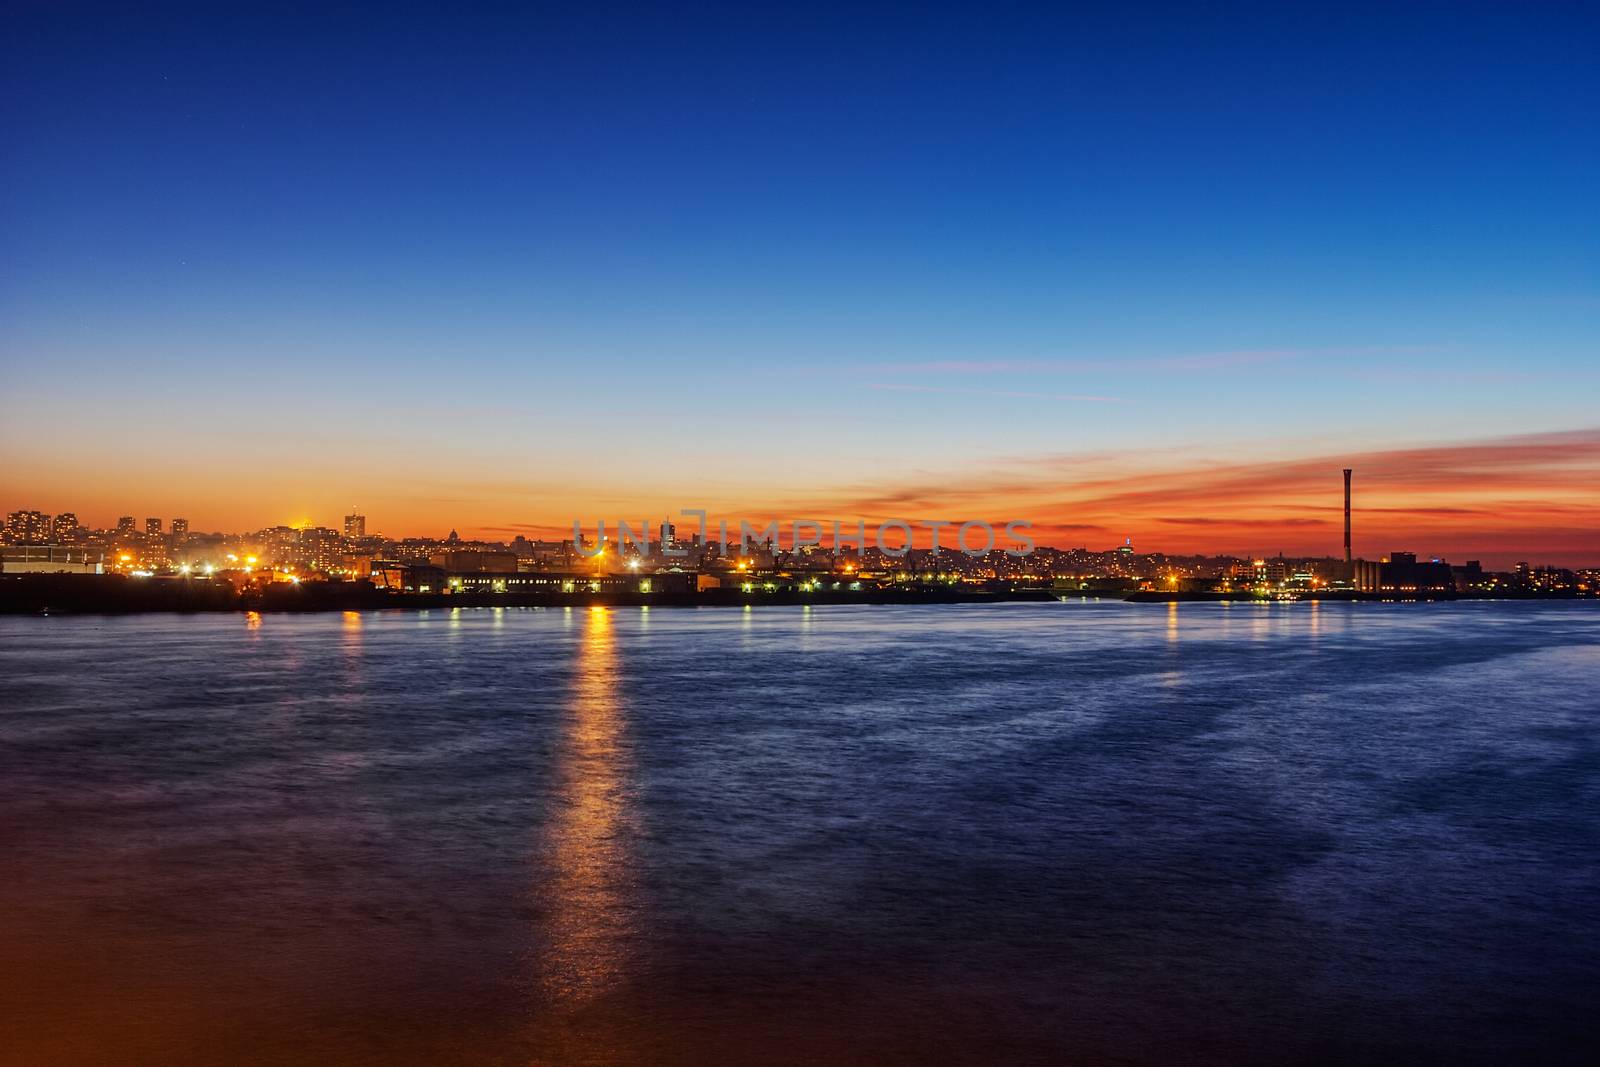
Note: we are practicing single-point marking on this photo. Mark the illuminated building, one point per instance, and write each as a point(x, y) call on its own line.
point(1270, 571)
point(180, 527)
point(1402, 574)
point(125, 526)
point(401, 577)
point(1468, 576)
point(152, 527)
point(355, 525)
point(277, 545)
point(27, 528)
point(320, 549)
point(572, 583)
point(64, 529)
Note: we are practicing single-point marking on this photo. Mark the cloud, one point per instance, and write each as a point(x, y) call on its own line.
point(1242, 523)
point(1009, 393)
point(1532, 493)
point(1187, 361)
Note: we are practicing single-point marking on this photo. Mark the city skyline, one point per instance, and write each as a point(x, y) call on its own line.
point(1500, 501)
point(854, 534)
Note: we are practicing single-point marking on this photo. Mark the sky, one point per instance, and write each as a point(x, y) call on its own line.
point(1125, 272)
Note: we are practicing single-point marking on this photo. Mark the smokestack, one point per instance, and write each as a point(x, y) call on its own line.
point(1347, 514)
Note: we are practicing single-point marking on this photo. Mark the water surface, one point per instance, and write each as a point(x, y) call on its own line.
point(1029, 832)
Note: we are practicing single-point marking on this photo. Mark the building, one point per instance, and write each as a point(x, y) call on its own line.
point(545, 555)
point(276, 546)
point(468, 562)
point(152, 527)
point(50, 559)
point(321, 549)
point(1270, 571)
point(180, 527)
point(1468, 576)
point(678, 583)
point(125, 526)
point(64, 530)
point(27, 528)
point(402, 577)
point(355, 526)
point(1401, 574)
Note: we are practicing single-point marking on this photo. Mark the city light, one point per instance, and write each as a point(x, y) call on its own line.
point(699, 569)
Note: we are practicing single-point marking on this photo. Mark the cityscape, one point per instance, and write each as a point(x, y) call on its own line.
point(779, 535)
point(664, 560)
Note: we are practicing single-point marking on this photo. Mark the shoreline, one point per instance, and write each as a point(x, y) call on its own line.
point(79, 595)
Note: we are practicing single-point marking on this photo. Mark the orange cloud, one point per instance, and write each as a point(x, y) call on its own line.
point(1532, 496)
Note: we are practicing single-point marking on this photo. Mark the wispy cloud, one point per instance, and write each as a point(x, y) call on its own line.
point(1014, 394)
point(1187, 361)
point(1193, 520)
point(1532, 493)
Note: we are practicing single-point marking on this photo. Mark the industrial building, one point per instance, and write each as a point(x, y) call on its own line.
point(50, 559)
point(1401, 574)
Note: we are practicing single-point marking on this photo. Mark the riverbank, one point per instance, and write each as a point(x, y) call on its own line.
point(51, 594)
point(114, 595)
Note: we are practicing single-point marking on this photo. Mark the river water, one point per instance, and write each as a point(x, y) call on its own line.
point(1080, 832)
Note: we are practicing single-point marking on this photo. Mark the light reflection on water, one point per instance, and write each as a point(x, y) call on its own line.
point(1080, 831)
point(590, 926)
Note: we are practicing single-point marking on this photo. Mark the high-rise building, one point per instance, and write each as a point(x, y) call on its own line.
point(180, 527)
point(27, 528)
point(320, 549)
point(152, 526)
point(355, 525)
point(125, 526)
point(64, 530)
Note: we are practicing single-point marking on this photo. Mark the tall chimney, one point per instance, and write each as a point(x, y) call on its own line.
point(1347, 514)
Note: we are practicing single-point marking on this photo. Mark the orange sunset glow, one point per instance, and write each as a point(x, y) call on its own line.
point(1496, 499)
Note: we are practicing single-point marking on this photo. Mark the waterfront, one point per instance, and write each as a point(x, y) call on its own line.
point(1093, 830)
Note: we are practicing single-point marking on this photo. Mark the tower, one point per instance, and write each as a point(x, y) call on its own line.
point(1347, 514)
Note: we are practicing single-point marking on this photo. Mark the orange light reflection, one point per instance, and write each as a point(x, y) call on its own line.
point(591, 925)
